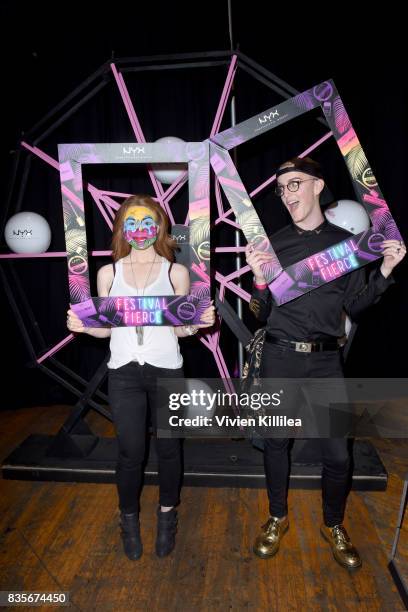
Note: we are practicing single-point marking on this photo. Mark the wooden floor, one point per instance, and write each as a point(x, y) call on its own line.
point(64, 537)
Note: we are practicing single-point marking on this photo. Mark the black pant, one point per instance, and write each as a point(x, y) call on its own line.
point(282, 362)
point(132, 390)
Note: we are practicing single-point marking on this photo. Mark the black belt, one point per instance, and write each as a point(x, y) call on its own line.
point(303, 347)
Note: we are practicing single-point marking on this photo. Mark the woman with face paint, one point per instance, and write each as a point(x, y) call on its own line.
point(143, 254)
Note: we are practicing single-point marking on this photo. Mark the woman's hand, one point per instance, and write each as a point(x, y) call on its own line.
point(74, 323)
point(208, 316)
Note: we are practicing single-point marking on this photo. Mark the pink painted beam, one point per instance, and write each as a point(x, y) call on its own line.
point(30, 255)
point(218, 198)
point(238, 291)
point(109, 201)
point(136, 128)
point(224, 96)
point(306, 152)
point(52, 162)
point(133, 118)
point(110, 212)
point(229, 249)
point(119, 194)
point(219, 359)
point(222, 367)
point(49, 254)
point(238, 273)
point(111, 206)
point(95, 195)
point(104, 214)
point(139, 135)
point(233, 287)
point(56, 348)
point(200, 273)
point(214, 338)
point(175, 186)
point(205, 342)
point(222, 218)
point(36, 151)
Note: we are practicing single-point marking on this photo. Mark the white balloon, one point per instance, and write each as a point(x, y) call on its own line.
point(27, 232)
point(203, 408)
point(347, 326)
point(349, 215)
point(167, 173)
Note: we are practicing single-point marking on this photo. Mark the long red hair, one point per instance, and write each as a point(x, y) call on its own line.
point(164, 244)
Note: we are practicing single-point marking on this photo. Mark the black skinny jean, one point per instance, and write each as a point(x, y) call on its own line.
point(282, 362)
point(132, 391)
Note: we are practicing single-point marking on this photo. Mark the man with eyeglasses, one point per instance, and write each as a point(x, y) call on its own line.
point(315, 320)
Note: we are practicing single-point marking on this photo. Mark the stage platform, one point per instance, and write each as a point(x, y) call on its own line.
point(207, 463)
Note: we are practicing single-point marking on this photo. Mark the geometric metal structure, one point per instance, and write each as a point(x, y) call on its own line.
point(43, 356)
point(106, 201)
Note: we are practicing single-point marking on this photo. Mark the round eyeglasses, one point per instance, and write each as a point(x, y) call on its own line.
point(291, 186)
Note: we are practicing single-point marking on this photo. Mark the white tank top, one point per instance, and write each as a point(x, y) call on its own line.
point(160, 345)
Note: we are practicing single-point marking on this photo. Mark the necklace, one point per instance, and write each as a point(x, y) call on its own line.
point(140, 330)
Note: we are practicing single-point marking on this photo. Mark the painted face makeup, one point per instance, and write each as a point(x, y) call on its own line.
point(140, 227)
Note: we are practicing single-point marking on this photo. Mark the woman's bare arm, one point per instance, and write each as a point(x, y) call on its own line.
point(104, 282)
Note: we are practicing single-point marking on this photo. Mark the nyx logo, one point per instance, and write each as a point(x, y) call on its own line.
point(266, 118)
point(179, 238)
point(133, 151)
point(23, 233)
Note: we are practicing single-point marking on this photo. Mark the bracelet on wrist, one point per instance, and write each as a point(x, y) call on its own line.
point(191, 329)
point(260, 285)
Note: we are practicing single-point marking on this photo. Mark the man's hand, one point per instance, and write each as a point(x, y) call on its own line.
point(394, 251)
point(255, 259)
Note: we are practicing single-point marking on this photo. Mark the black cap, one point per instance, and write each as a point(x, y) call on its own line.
point(303, 164)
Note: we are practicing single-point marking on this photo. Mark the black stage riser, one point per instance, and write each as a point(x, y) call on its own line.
point(207, 463)
point(202, 479)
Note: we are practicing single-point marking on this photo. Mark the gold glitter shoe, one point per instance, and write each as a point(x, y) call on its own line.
point(267, 543)
point(343, 550)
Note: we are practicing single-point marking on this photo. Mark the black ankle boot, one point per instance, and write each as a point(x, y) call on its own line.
point(130, 533)
point(166, 532)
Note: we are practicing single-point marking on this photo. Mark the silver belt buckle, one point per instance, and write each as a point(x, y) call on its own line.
point(303, 347)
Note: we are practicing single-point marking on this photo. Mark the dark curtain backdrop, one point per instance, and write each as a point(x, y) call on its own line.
point(44, 63)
